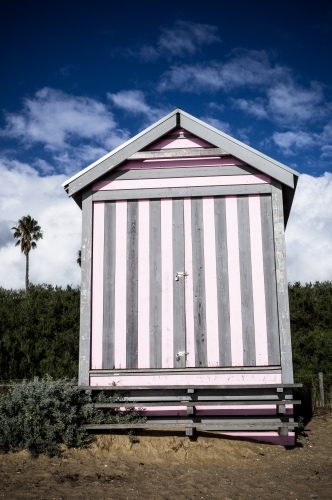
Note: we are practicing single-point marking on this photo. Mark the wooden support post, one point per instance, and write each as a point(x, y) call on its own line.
point(190, 410)
point(321, 389)
point(282, 284)
point(281, 408)
point(190, 431)
point(283, 431)
point(86, 270)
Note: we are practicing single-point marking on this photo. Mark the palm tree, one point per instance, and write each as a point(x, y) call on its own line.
point(27, 233)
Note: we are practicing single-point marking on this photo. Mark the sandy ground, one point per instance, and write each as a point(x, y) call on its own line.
point(169, 467)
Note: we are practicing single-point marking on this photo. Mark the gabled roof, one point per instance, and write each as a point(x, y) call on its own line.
point(178, 118)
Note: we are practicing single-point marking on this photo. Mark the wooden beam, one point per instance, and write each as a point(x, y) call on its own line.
point(282, 283)
point(181, 192)
point(177, 153)
point(116, 388)
point(226, 425)
point(86, 270)
point(192, 404)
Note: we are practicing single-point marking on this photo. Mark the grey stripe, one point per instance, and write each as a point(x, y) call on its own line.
point(198, 282)
point(109, 286)
point(181, 152)
point(86, 273)
point(225, 354)
point(155, 284)
point(132, 288)
point(270, 282)
point(179, 322)
point(168, 173)
point(179, 192)
point(247, 304)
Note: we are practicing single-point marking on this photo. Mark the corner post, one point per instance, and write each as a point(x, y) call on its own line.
point(86, 279)
point(282, 284)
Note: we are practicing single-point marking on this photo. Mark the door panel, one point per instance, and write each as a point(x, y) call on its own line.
point(220, 311)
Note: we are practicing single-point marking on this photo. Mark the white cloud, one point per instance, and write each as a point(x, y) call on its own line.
point(290, 103)
point(291, 141)
point(185, 38)
point(255, 107)
point(23, 192)
point(54, 118)
point(134, 102)
point(309, 230)
point(245, 68)
point(182, 39)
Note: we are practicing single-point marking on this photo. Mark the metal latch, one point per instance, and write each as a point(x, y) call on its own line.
point(179, 274)
point(180, 354)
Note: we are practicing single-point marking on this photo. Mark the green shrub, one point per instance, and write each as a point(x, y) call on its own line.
point(41, 415)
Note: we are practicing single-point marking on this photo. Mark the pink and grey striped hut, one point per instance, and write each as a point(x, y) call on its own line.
point(184, 301)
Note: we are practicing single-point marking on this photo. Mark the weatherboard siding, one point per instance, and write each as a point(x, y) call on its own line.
point(208, 314)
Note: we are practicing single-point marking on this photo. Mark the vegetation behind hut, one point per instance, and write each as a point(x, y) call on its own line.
point(39, 332)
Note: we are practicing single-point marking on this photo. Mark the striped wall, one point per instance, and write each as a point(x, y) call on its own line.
point(221, 314)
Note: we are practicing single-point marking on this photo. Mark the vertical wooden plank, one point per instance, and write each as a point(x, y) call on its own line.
point(86, 281)
point(179, 323)
point(167, 340)
point(212, 330)
point(247, 306)
point(97, 286)
point(109, 286)
point(132, 293)
point(234, 281)
point(120, 328)
point(143, 291)
point(258, 289)
point(189, 291)
point(270, 286)
point(199, 282)
point(225, 355)
point(282, 284)
point(155, 284)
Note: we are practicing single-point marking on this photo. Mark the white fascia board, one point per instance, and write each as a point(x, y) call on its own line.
point(119, 148)
point(231, 145)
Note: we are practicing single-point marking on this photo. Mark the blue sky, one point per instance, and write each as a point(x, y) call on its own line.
point(79, 78)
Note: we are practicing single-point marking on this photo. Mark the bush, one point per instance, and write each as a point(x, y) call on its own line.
point(41, 415)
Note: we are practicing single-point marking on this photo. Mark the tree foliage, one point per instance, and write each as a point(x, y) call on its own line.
point(39, 332)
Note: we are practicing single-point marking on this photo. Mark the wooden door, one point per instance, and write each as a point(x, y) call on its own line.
point(184, 282)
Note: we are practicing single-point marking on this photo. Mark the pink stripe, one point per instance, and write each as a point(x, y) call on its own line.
point(143, 284)
point(124, 380)
point(218, 180)
point(120, 306)
point(205, 161)
point(212, 334)
point(167, 283)
point(189, 287)
point(234, 281)
point(97, 285)
point(173, 142)
point(258, 287)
